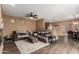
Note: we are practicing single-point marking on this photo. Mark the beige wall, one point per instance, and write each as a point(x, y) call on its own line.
point(31, 25)
point(61, 26)
point(40, 24)
point(20, 24)
point(1, 17)
point(0, 11)
point(1, 46)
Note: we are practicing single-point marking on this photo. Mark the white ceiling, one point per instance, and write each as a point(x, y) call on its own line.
point(51, 12)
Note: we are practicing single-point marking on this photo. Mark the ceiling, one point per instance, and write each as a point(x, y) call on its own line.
point(51, 12)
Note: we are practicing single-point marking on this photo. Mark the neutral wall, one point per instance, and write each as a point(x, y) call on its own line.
point(31, 25)
point(40, 24)
point(1, 46)
point(0, 12)
point(61, 26)
point(20, 24)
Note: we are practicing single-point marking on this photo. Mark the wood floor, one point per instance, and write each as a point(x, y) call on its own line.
point(70, 47)
point(10, 48)
point(62, 46)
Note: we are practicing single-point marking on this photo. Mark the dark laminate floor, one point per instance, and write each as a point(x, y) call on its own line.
point(62, 47)
point(10, 48)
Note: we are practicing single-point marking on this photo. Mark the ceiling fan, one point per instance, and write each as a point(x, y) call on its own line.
point(31, 15)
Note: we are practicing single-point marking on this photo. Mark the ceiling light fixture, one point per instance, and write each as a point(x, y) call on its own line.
point(31, 18)
point(76, 21)
point(31, 15)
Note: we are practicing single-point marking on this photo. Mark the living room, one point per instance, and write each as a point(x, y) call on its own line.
point(35, 29)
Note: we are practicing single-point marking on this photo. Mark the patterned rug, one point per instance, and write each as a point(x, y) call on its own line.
point(27, 48)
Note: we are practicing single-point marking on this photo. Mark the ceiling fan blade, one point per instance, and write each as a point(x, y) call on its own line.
point(35, 15)
point(27, 15)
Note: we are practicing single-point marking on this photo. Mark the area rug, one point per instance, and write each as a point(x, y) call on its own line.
point(27, 48)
